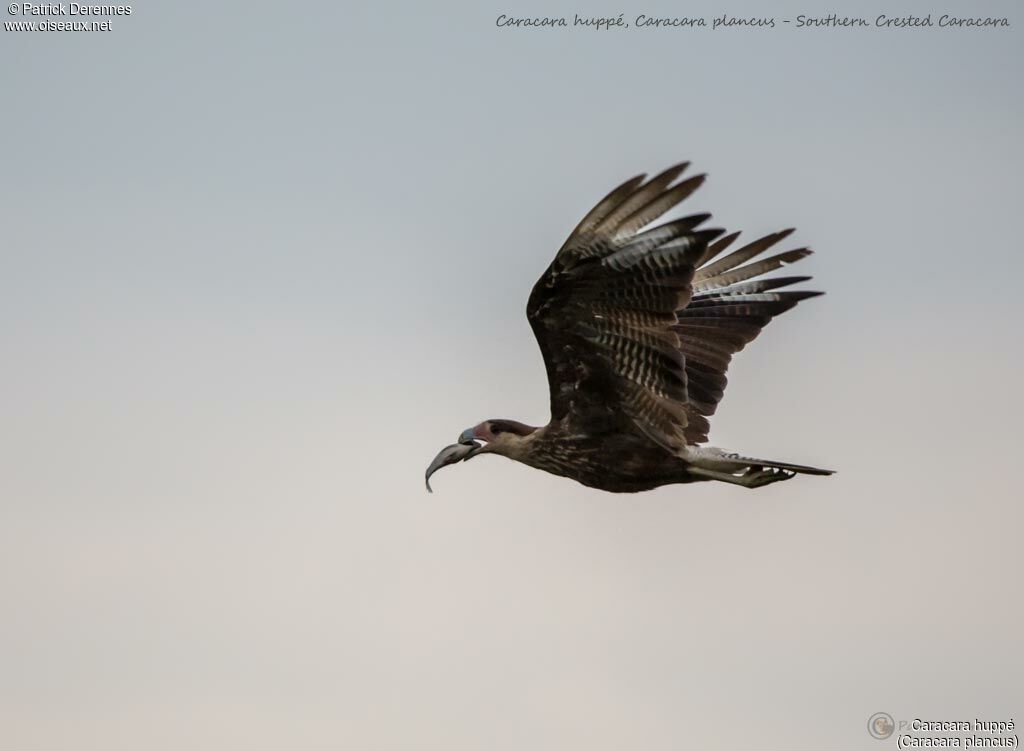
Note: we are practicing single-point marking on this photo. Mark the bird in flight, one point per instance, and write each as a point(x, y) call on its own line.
point(637, 325)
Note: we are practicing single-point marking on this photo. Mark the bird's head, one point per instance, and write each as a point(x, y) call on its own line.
point(504, 437)
point(498, 436)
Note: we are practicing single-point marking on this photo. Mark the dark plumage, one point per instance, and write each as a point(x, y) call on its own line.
point(637, 328)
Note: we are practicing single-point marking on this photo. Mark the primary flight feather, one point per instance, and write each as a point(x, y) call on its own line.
point(637, 326)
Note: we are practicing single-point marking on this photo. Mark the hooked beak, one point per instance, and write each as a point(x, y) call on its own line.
point(457, 452)
point(468, 436)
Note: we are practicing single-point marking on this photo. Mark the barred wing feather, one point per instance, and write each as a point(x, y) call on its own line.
point(637, 326)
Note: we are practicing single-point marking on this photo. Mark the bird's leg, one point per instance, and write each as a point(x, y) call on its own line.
point(727, 466)
point(711, 474)
point(753, 477)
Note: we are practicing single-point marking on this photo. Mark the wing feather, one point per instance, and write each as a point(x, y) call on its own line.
point(638, 325)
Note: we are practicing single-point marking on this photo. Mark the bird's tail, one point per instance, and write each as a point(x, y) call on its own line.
point(708, 457)
point(798, 468)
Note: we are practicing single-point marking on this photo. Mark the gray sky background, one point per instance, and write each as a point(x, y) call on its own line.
point(260, 263)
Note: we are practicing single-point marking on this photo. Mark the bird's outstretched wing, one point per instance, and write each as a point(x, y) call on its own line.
point(637, 326)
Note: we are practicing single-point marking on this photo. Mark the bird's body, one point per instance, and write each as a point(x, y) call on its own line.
point(637, 327)
point(620, 462)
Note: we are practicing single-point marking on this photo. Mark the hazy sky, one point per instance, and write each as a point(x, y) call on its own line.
point(260, 262)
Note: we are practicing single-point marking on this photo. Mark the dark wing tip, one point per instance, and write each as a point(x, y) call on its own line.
point(697, 219)
point(707, 236)
point(672, 173)
point(803, 294)
point(792, 256)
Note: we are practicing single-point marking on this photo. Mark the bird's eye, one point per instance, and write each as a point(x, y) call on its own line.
point(495, 430)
